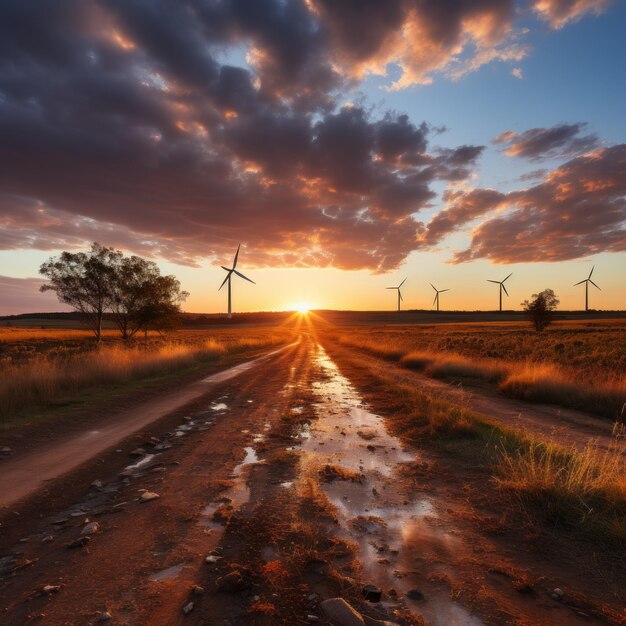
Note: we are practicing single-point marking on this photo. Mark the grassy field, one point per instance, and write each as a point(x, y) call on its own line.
point(577, 364)
point(39, 368)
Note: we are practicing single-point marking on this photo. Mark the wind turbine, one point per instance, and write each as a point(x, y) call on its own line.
point(231, 271)
point(399, 294)
point(587, 281)
point(501, 283)
point(437, 292)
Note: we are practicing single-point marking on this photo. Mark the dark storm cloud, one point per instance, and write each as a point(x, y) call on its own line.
point(579, 209)
point(420, 36)
point(181, 127)
point(537, 144)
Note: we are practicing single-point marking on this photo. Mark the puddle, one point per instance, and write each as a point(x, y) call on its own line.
point(391, 529)
point(250, 457)
point(146, 460)
point(169, 573)
point(232, 498)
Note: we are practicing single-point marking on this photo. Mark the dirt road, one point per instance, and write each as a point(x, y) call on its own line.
point(274, 490)
point(24, 475)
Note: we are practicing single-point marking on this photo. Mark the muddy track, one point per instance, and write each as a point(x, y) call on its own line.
point(296, 492)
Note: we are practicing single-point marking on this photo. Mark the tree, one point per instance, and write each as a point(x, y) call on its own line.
point(143, 298)
point(130, 288)
point(84, 281)
point(161, 309)
point(539, 309)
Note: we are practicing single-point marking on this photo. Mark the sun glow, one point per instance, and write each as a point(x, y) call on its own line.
point(302, 307)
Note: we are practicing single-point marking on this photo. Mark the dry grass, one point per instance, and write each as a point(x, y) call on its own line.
point(540, 382)
point(585, 489)
point(584, 369)
point(48, 377)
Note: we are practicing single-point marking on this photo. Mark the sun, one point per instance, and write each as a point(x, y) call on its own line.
point(302, 307)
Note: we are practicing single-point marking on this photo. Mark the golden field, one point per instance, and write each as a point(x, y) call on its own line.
point(574, 364)
point(37, 367)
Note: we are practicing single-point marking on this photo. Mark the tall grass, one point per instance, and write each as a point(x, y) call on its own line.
point(526, 379)
point(44, 379)
point(585, 489)
point(542, 382)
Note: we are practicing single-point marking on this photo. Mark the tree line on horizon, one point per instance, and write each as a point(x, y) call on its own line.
point(103, 281)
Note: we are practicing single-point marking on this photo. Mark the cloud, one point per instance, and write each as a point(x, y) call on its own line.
point(22, 294)
point(538, 144)
point(119, 124)
point(579, 209)
point(421, 38)
point(463, 207)
point(558, 13)
point(181, 128)
point(517, 72)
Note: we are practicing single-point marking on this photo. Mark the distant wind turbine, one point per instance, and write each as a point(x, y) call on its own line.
point(437, 292)
point(400, 298)
point(587, 281)
point(231, 271)
point(501, 283)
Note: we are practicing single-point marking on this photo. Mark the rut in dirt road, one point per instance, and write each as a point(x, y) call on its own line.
point(23, 476)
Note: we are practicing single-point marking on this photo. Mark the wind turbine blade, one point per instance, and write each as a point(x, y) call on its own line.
point(444, 290)
point(236, 256)
point(227, 277)
point(596, 286)
point(391, 287)
point(581, 282)
point(505, 291)
point(435, 300)
point(433, 286)
point(244, 277)
point(509, 276)
point(591, 272)
point(228, 269)
point(401, 298)
point(402, 283)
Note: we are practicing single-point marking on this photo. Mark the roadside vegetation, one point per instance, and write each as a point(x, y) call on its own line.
point(575, 365)
point(583, 490)
point(55, 374)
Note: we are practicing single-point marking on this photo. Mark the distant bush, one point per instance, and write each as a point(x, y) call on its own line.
point(540, 309)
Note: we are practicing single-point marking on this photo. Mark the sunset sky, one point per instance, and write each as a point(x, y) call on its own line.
point(346, 144)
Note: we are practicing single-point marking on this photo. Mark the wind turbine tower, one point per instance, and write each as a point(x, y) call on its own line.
point(230, 271)
point(437, 292)
point(399, 294)
point(587, 281)
point(502, 287)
